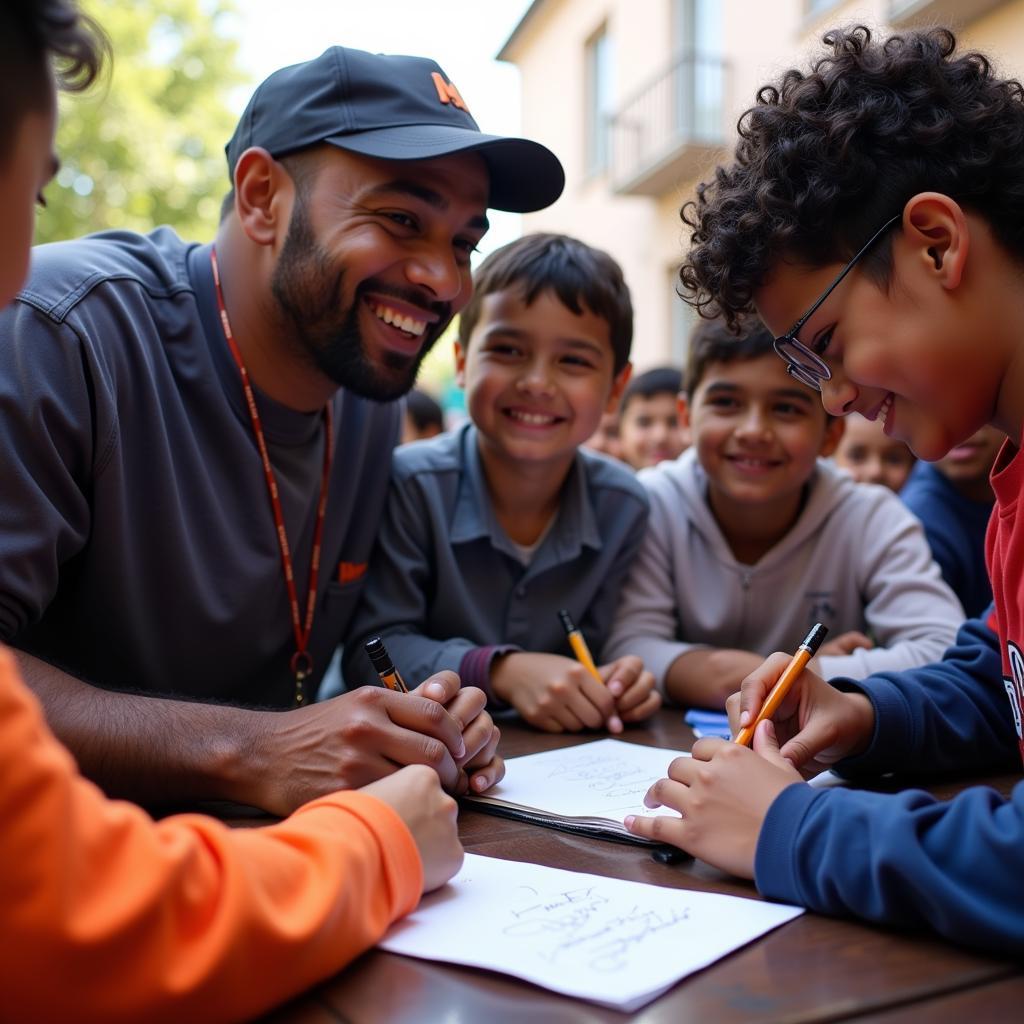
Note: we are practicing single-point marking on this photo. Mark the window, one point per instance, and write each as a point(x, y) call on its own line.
point(599, 100)
point(683, 319)
point(698, 39)
point(815, 7)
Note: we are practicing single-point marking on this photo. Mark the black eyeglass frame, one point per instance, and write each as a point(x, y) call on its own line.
point(801, 363)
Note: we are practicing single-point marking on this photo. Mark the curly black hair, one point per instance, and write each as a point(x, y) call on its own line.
point(35, 36)
point(826, 156)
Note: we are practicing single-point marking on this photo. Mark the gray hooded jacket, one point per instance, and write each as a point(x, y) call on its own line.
point(855, 559)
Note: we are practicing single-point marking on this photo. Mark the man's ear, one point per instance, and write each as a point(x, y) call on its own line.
point(264, 195)
point(460, 364)
point(618, 386)
point(833, 435)
point(935, 227)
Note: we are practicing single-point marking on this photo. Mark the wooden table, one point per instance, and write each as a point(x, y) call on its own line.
point(812, 969)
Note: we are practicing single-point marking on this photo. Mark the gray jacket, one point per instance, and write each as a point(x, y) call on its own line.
point(856, 559)
point(138, 548)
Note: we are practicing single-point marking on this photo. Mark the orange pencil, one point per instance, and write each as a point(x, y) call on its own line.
point(803, 654)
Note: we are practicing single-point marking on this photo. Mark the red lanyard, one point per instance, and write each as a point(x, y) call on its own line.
point(301, 662)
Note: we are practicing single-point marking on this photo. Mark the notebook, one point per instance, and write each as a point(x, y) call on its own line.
point(586, 789)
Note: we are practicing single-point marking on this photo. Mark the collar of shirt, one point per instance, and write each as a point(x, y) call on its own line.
point(575, 525)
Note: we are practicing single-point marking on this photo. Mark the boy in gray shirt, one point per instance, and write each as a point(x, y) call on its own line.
point(491, 530)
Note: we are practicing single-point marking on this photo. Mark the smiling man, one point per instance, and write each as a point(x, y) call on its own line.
point(196, 444)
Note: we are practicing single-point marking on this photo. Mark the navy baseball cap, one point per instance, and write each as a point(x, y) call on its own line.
point(396, 108)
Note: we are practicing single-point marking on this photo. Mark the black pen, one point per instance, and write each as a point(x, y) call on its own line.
point(384, 666)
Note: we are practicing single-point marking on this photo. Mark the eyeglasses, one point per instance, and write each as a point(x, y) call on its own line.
point(801, 363)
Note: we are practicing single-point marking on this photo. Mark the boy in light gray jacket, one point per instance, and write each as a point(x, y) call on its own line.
point(752, 538)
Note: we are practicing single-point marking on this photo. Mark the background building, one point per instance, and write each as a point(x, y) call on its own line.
point(640, 99)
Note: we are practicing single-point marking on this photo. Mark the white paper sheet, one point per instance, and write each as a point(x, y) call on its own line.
point(603, 779)
point(613, 942)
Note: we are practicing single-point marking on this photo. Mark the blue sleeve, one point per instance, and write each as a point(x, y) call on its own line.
point(951, 716)
point(956, 867)
point(945, 551)
point(909, 859)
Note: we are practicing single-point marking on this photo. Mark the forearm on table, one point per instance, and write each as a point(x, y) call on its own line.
point(149, 749)
point(706, 676)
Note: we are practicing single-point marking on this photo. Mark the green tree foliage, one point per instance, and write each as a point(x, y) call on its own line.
point(146, 146)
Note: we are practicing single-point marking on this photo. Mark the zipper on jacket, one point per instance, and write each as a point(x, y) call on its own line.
point(746, 575)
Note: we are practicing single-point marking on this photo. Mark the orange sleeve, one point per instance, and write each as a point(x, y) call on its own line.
point(109, 916)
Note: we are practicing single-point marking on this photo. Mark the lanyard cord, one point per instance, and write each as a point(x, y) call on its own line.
point(301, 663)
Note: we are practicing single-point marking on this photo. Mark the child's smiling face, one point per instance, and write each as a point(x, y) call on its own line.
point(758, 434)
point(538, 377)
point(872, 458)
point(914, 353)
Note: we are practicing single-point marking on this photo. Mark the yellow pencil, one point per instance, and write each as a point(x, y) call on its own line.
point(579, 645)
point(797, 663)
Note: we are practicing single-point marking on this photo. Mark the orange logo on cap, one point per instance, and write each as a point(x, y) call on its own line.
point(447, 93)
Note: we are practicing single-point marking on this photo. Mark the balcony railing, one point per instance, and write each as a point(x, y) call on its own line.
point(924, 13)
point(673, 126)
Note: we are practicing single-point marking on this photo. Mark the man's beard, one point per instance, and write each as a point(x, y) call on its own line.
point(307, 288)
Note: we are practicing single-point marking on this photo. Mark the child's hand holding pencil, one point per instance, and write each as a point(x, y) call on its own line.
point(816, 724)
point(627, 682)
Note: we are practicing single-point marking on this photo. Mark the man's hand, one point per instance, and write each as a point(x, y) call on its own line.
point(816, 724)
point(723, 793)
point(632, 687)
point(430, 815)
point(355, 739)
point(555, 693)
point(481, 766)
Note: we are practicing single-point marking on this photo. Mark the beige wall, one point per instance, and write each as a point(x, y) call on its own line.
point(551, 58)
point(1000, 35)
point(759, 39)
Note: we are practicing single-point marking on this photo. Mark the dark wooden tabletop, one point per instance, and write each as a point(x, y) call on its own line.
point(812, 969)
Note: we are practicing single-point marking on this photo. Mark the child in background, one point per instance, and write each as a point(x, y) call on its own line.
point(870, 457)
point(953, 499)
point(185, 918)
point(493, 528)
point(423, 417)
point(753, 537)
point(606, 438)
point(886, 257)
point(650, 430)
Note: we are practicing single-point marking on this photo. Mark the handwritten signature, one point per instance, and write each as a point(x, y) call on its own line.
point(616, 779)
point(576, 925)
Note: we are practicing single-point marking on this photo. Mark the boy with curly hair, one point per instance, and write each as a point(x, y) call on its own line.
point(874, 218)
